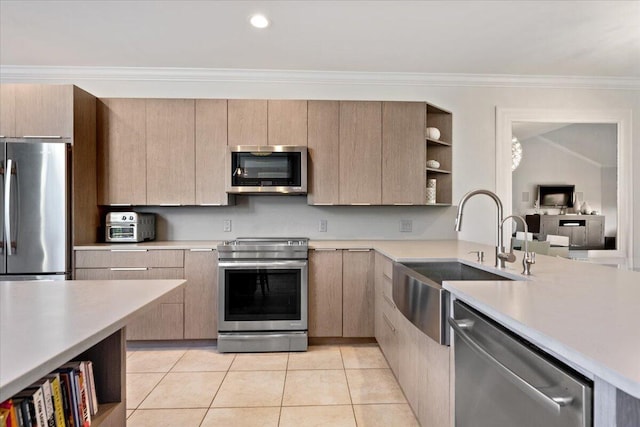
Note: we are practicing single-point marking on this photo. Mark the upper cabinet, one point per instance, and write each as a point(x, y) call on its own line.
point(360, 152)
point(211, 150)
point(7, 110)
point(122, 156)
point(267, 122)
point(170, 151)
point(403, 153)
point(440, 150)
point(44, 110)
point(324, 152)
point(247, 123)
point(287, 122)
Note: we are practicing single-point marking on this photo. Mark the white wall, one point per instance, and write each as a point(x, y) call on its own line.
point(474, 137)
point(609, 179)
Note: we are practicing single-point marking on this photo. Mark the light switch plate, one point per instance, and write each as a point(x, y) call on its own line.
point(406, 225)
point(322, 226)
point(226, 225)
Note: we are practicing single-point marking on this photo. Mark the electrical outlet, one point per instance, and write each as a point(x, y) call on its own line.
point(227, 225)
point(406, 225)
point(322, 226)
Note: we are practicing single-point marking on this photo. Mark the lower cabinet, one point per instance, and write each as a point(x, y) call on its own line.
point(420, 364)
point(163, 322)
point(357, 293)
point(187, 313)
point(201, 294)
point(341, 293)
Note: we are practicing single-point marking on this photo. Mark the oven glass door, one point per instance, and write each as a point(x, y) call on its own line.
point(261, 296)
point(277, 169)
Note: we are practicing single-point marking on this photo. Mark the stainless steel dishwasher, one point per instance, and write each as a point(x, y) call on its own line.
point(504, 381)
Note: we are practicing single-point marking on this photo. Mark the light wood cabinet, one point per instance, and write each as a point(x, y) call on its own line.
point(360, 152)
point(386, 321)
point(44, 110)
point(7, 110)
point(163, 322)
point(247, 122)
point(403, 153)
point(583, 231)
point(358, 293)
point(434, 404)
point(122, 158)
point(287, 122)
point(210, 152)
point(324, 152)
point(325, 293)
point(201, 294)
point(170, 146)
point(595, 232)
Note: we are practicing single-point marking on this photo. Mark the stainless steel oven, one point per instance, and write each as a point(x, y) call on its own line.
point(263, 294)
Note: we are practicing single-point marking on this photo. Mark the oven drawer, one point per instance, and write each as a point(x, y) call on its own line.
point(130, 258)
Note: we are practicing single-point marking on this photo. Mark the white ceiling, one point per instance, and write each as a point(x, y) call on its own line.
point(549, 38)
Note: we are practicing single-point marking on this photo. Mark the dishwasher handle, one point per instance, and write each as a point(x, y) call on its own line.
point(554, 403)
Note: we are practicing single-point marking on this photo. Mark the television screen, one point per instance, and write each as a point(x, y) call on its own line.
point(561, 196)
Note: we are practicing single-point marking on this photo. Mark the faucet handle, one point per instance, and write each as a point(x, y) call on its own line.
point(528, 259)
point(480, 255)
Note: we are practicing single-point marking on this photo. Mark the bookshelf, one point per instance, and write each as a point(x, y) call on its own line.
point(72, 320)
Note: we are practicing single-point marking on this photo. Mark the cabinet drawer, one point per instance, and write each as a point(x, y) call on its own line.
point(129, 258)
point(175, 296)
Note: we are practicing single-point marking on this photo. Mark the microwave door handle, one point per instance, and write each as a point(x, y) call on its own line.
point(7, 206)
point(555, 403)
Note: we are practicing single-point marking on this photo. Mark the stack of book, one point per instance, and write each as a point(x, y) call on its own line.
point(64, 398)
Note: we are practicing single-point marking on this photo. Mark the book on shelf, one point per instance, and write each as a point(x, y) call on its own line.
point(81, 401)
point(56, 392)
point(8, 414)
point(24, 409)
point(45, 386)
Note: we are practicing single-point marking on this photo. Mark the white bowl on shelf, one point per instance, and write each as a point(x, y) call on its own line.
point(433, 133)
point(433, 164)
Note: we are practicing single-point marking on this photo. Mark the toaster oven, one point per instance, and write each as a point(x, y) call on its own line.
point(130, 227)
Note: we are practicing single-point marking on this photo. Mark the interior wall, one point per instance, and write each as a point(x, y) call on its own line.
point(609, 179)
point(543, 163)
point(474, 134)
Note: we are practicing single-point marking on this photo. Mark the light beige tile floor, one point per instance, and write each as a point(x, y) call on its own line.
point(349, 385)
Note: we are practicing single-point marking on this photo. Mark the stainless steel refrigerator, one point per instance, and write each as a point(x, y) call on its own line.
point(35, 214)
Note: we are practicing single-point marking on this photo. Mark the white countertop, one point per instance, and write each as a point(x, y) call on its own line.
point(45, 324)
point(583, 314)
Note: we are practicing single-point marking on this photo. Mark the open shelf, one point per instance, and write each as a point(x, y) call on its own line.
point(437, 142)
point(437, 170)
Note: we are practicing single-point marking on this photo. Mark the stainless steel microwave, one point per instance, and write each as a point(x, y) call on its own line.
point(266, 169)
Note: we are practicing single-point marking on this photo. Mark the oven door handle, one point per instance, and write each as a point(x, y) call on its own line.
point(280, 264)
point(555, 403)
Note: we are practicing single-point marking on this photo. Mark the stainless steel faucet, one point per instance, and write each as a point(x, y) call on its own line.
point(499, 245)
point(528, 258)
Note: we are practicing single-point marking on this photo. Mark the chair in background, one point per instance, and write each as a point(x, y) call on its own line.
point(559, 245)
point(536, 246)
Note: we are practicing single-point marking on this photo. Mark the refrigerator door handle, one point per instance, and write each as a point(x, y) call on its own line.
point(7, 205)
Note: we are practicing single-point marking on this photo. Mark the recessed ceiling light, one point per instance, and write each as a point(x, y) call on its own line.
point(259, 21)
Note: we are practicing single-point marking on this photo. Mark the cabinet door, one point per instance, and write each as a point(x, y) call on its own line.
point(358, 293)
point(247, 123)
point(578, 237)
point(201, 294)
point(403, 153)
point(287, 122)
point(211, 151)
point(386, 330)
point(44, 110)
point(122, 171)
point(410, 375)
point(324, 152)
point(165, 321)
point(7, 110)
point(434, 390)
point(549, 225)
point(595, 232)
point(360, 152)
point(170, 151)
point(325, 293)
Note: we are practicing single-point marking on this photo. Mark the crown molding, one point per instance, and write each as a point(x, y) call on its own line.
point(17, 73)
